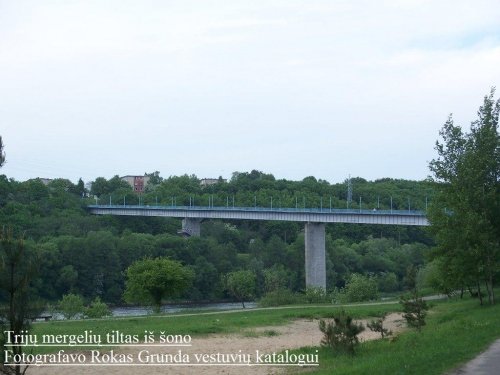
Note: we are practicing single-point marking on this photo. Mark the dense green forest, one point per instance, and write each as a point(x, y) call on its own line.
point(87, 255)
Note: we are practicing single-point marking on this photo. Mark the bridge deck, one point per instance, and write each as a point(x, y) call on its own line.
point(325, 215)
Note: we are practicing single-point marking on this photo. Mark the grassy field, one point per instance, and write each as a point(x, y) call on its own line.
point(205, 323)
point(456, 331)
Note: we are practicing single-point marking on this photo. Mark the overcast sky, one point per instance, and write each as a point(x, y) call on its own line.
point(294, 88)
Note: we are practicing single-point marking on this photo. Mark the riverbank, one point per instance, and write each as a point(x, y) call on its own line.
point(456, 331)
point(231, 350)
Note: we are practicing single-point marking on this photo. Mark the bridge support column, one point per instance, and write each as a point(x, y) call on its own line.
point(190, 226)
point(315, 255)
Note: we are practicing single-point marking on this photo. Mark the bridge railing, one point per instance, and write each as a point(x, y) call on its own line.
point(340, 211)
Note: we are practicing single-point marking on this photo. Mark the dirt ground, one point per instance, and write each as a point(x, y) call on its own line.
point(297, 334)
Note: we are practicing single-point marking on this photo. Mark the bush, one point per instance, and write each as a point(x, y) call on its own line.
point(341, 334)
point(435, 276)
point(275, 278)
point(414, 307)
point(359, 288)
point(97, 309)
point(71, 305)
point(415, 310)
point(378, 326)
point(317, 295)
point(280, 297)
point(388, 282)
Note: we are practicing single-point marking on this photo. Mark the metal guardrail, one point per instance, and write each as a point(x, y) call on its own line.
point(266, 209)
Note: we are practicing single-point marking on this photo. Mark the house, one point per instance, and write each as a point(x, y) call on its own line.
point(138, 183)
point(211, 181)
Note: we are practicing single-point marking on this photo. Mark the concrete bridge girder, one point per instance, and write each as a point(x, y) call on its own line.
point(315, 220)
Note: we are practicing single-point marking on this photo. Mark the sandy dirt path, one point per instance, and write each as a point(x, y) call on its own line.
point(296, 334)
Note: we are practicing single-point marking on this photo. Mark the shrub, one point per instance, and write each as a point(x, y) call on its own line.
point(275, 278)
point(317, 295)
point(378, 326)
point(280, 297)
point(414, 307)
point(359, 288)
point(414, 310)
point(97, 309)
point(71, 305)
point(387, 282)
point(435, 276)
point(341, 334)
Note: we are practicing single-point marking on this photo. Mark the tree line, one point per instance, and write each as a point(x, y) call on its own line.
point(87, 255)
point(465, 216)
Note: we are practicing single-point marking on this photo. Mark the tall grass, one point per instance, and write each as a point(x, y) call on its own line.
point(456, 331)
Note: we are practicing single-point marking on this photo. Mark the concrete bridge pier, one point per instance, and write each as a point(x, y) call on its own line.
point(190, 226)
point(315, 255)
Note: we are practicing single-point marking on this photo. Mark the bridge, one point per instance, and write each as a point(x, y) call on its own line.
point(315, 220)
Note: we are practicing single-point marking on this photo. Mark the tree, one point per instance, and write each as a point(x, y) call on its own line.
point(241, 285)
point(71, 305)
point(465, 215)
point(275, 278)
point(378, 326)
point(414, 307)
point(154, 179)
point(96, 310)
point(151, 280)
point(341, 334)
point(78, 189)
point(359, 288)
point(18, 265)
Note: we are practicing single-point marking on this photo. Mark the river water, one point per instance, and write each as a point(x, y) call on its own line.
point(125, 311)
point(172, 309)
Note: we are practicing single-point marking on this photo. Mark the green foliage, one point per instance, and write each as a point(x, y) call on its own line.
point(414, 311)
point(241, 285)
point(342, 334)
point(414, 307)
point(359, 288)
point(466, 216)
point(103, 188)
point(152, 280)
point(97, 309)
point(317, 295)
point(18, 269)
point(387, 282)
point(280, 297)
point(434, 275)
point(235, 321)
point(68, 277)
point(88, 255)
point(456, 332)
point(275, 278)
point(3, 348)
point(377, 325)
point(71, 305)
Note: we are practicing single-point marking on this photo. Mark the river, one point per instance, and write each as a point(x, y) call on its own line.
point(171, 309)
